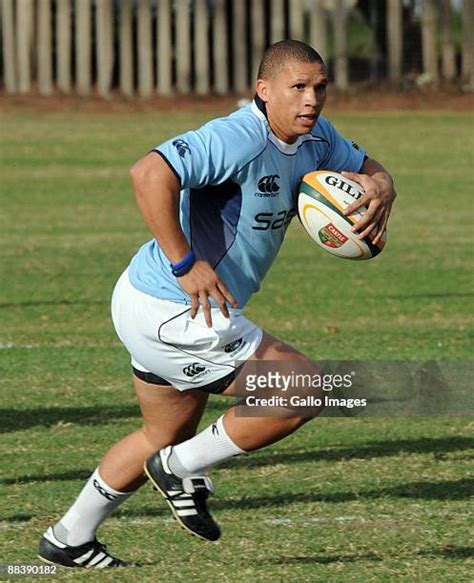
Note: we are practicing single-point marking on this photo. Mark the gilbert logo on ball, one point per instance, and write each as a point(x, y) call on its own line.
point(322, 198)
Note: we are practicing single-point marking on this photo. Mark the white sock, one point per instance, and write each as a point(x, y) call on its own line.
point(211, 446)
point(94, 504)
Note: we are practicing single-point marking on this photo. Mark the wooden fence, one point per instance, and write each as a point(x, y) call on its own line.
point(166, 46)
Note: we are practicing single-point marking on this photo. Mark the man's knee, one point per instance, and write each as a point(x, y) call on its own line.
point(158, 439)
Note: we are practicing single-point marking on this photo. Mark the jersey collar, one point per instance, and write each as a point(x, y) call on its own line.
point(259, 109)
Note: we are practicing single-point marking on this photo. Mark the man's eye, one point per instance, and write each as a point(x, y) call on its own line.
point(298, 86)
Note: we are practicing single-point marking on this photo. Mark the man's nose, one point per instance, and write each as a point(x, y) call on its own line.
point(311, 98)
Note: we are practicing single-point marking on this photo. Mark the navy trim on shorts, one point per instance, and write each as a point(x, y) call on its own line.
point(149, 377)
point(216, 387)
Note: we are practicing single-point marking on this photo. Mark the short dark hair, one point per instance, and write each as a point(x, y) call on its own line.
point(278, 54)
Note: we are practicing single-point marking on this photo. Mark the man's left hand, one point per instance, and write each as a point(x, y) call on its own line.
point(378, 199)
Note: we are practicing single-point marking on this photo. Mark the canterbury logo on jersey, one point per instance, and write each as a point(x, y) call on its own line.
point(193, 369)
point(104, 492)
point(182, 147)
point(268, 185)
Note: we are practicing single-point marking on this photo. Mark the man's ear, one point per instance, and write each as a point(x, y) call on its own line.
point(262, 89)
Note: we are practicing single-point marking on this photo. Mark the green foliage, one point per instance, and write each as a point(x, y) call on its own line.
point(360, 41)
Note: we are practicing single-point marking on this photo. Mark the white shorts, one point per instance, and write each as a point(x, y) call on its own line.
point(163, 340)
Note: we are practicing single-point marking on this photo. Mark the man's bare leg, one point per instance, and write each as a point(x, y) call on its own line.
point(169, 416)
point(241, 433)
point(179, 471)
point(251, 433)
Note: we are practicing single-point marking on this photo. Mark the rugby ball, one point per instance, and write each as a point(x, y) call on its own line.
point(323, 196)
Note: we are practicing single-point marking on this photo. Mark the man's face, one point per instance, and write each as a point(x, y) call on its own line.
point(294, 98)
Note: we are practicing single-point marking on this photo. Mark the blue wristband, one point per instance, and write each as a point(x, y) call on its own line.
point(182, 267)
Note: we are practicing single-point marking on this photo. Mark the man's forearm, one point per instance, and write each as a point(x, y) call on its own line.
point(374, 169)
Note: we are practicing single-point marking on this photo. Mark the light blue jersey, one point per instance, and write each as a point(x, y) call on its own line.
point(239, 185)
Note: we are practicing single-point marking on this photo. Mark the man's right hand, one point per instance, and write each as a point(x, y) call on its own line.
point(202, 282)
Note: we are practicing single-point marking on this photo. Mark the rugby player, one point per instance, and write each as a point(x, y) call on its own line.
point(218, 201)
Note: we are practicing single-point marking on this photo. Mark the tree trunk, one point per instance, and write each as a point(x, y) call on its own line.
point(277, 31)
point(126, 48)
point(239, 45)
point(447, 44)
point(183, 46)
point(45, 72)
point(63, 46)
point(257, 33)
point(296, 20)
point(201, 47)
point(105, 48)
point(429, 34)
point(340, 43)
point(318, 23)
point(164, 47)
point(468, 45)
point(8, 46)
point(221, 78)
point(395, 35)
point(83, 46)
point(24, 33)
point(145, 53)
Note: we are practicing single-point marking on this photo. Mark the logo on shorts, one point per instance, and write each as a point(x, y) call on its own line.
point(331, 237)
point(193, 369)
point(233, 346)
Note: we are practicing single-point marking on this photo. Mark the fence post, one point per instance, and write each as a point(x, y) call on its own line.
point(296, 20)
point(24, 33)
point(145, 53)
point(83, 47)
point(201, 47)
point(104, 44)
point(183, 46)
point(8, 46)
point(340, 43)
point(468, 45)
point(164, 47)
point(318, 24)
point(447, 44)
point(239, 46)
point(63, 45)
point(257, 32)
point(277, 26)
point(220, 52)
point(428, 37)
point(394, 27)
point(126, 48)
point(44, 47)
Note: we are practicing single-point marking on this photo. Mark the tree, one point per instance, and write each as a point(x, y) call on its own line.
point(395, 36)
point(447, 44)
point(468, 45)
point(340, 45)
point(429, 44)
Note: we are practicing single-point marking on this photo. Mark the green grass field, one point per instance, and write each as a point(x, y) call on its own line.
point(373, 499)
